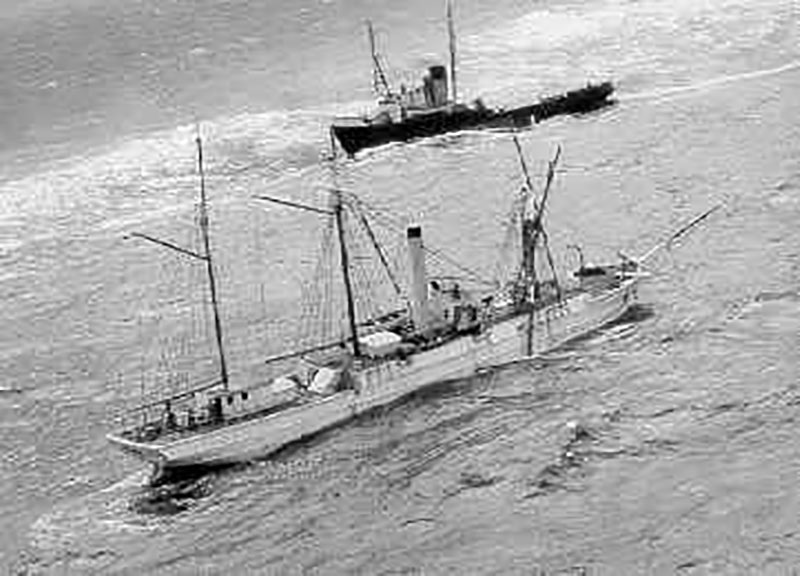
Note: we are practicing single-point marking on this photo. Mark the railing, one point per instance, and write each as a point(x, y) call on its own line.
point(177, 396)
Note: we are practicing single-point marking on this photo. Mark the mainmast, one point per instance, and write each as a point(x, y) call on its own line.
point(223, 368)
point(452, 36)
point(351, 311)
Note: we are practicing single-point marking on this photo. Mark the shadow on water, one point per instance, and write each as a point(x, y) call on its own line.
point(167, 496)
point(568, 467)
point(587, 443)
point(636, 313)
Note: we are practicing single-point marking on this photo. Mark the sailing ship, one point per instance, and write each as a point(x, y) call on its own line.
point(433, 107)
point(445, 332)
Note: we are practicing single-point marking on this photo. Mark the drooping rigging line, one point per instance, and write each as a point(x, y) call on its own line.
point(376, 245)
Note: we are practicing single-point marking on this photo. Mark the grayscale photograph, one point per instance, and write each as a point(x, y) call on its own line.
point(360, 287)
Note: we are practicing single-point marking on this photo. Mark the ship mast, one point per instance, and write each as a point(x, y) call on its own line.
point(532, 230)
point(452, 36)
point(378, 76)
point(538, 227)
point(205, 256)
point(223, 368)
point(528, 246)
point(351, 311)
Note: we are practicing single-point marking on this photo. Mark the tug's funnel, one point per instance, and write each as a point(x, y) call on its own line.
point(419, 280)
point(437, 86)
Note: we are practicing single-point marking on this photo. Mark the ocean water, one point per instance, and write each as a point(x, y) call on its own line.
point(687, 461)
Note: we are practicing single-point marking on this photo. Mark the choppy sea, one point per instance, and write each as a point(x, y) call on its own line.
point(687, 458)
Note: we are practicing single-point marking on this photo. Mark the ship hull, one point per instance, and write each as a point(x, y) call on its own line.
point(580, 101)
point(355, 137)
point(513, 339)
point(365, 134)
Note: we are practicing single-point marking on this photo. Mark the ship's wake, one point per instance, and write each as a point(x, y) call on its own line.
point(672, 92)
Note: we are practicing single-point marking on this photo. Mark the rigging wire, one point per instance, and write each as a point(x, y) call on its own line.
point(368, 229)
point(510, 247)
point(316, 295)
point(372, 282)
point(388, 221)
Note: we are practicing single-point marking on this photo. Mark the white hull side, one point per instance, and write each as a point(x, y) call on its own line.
point(504, 343)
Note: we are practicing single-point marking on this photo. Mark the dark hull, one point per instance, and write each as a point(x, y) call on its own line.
point(579, 101)
point(354, 137)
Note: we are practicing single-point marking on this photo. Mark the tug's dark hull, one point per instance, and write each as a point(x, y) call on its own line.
point(579, 101)
point(368, 134)
point(365, 134)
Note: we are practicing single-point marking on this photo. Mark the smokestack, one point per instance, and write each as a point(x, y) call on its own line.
point(419, 279)
point(438, 75)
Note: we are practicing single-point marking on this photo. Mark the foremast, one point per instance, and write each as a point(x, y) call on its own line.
point(533, 236)
point(528, 288)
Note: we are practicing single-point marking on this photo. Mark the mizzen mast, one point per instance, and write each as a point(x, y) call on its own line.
point(532, 227)
point(532, 231)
